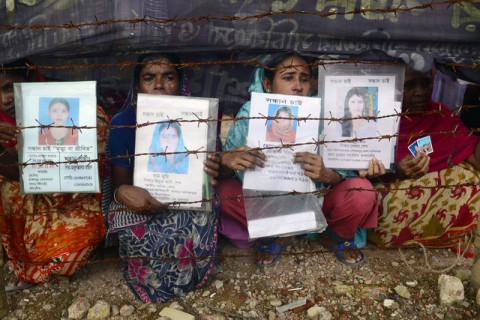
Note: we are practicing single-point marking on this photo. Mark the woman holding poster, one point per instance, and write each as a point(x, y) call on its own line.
point(167, 138)
point(46, 236)
point(346, 208)
point(166, 252)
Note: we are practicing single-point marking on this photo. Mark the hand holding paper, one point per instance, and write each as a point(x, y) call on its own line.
point(313, 166)
point(244, 157)
point(138, 199)
point(375, 169)
point(211, 166)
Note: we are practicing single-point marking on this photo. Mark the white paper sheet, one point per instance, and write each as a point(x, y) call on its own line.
point(353, 148)
point(282, 224)
point(164, 165)
point(280, 173)
point(45, 104)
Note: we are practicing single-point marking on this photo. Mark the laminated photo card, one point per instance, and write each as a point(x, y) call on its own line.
point(360, 106)
point(58, 139)
point(171, 146)
point(424, 144)
point(279, 125)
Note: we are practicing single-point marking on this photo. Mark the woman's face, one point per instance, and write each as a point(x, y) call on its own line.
point(169, 139)
point(356, 105)
point(417, 90)
point(159, 79)
point(7, 102)
point(291, 77)
point(284, 124)
point(58, 113)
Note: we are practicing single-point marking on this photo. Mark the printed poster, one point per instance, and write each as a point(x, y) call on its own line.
point(171, 146)
point(58, 142)
point(281, 126)
point(360, 115)
point(281, 120)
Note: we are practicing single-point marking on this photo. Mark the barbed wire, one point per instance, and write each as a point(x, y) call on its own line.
point(315, 142)
point(252, 62)
point(231, 61)
point(258, 16)
point(378, 187)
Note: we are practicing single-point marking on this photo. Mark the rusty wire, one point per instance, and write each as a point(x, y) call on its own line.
point(231, 61)
point(282, 145)
point(97, 23)
point(208, 18)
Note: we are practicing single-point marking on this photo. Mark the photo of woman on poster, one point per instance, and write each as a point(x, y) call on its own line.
point(57, 133)
point(167, 137)
point(357, 104)
point(281, 128)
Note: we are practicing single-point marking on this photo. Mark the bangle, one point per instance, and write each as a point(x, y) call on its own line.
point(115, 196)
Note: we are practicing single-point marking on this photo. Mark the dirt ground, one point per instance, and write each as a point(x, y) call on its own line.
point(240, 290)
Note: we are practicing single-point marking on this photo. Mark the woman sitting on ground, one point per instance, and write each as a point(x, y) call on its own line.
point(413, 206)
point(345, 210)
point(46, 236)
point(166, 252)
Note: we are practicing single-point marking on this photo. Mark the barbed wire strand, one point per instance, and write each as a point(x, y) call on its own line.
point(208, 18)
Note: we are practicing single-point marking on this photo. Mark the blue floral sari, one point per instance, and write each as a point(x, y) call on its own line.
point(165, 254)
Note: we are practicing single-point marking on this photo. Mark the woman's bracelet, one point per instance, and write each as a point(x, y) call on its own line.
point(115, 196)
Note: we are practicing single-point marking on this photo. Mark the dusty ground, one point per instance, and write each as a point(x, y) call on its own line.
point(240, 290)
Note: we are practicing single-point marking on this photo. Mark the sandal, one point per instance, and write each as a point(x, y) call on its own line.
point(269, 249)
point(339, 250)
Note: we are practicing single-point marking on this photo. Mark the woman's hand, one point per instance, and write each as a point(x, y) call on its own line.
point(315, 169)
point(138, 199)
point(212, 167)
point(375, 169)
point(7, 132)
point(414, 167)
point(242, 158)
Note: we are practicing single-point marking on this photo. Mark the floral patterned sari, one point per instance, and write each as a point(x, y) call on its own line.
point(46, 236)
point(166, 254)
point(431, 215)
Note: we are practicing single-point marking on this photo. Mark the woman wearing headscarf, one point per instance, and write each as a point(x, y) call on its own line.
point(166, 252)
point(348, 207)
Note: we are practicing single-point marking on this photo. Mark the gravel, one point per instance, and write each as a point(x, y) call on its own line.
point(307, 283)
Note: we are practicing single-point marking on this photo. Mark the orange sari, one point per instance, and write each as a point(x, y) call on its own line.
point(46, 236)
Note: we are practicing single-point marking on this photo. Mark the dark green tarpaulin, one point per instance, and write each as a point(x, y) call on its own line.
point(84, 32)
